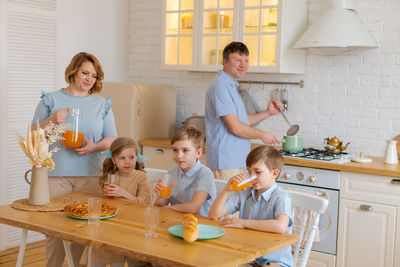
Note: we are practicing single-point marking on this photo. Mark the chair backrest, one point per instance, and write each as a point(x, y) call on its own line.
point(154, 174)
point(220, 184)
point(312, 207)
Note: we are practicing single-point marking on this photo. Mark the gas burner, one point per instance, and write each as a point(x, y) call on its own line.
point(316, 154)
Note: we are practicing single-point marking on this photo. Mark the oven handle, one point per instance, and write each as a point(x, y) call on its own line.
point(395, 181)
point(321, 193)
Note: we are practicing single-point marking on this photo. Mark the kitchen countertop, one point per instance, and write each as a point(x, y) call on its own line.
point(376, 167)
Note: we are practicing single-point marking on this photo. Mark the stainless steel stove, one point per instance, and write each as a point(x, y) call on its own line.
point(321, 155)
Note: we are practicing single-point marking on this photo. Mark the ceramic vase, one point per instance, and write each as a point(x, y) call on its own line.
point(39, 186)
point(391, 152)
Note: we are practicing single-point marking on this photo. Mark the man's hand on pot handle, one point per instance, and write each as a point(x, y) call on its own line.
point(269, 138)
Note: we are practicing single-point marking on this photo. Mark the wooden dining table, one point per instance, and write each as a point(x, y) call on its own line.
point(124, 235)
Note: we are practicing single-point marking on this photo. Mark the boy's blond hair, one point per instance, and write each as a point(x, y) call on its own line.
point(271, 157)
point(189, 133)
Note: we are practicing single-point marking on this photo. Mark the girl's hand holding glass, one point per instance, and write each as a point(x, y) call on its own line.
point(113, 190)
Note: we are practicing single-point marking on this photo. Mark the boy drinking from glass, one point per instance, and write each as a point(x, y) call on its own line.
point(264, 206)
point(192, 184)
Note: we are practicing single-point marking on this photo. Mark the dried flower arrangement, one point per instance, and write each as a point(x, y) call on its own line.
point(36, 146)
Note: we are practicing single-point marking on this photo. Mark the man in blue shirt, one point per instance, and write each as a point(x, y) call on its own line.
point(228, 125)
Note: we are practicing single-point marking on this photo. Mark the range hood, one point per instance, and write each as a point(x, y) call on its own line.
point(338, 30)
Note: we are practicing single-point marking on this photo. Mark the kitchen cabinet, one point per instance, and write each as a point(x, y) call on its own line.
point(369, 221)
point(317, 259)
point(195, 33)
point(161, 158)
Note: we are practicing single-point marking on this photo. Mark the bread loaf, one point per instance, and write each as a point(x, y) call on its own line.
point(81, 209)
point(190, 231)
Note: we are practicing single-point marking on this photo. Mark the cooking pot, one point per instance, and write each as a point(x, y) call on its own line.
point(292, 144)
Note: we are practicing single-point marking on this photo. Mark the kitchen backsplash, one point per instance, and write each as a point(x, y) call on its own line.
point(355, 97)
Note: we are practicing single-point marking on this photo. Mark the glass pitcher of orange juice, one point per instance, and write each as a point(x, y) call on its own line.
point(72, 138)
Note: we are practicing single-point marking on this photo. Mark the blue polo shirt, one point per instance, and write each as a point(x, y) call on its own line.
point(224, 149)
point(199, 178)
point(271, 203)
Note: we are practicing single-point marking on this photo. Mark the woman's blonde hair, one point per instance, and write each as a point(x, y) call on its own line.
point(270, 156)
point(116, 148)
point(76, 63)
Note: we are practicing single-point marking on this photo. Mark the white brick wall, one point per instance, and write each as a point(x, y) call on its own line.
point(356, 96)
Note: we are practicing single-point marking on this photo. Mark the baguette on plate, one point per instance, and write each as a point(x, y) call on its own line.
point(190, 231)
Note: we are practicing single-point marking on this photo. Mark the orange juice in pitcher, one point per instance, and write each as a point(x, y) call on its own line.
point(72, 138)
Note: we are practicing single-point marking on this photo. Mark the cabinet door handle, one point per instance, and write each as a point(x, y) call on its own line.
point(366, 207)
point(160, 150)
point(395, 181)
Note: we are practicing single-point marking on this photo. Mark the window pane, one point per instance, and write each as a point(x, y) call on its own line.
point(251, 42)
point(210, 22)
point(223, 41)
point(226, 3)
point(226, 21)
point(252, 3)
point(268, 50)
point(269, 19)
point(185, 55)
point(269, 2)
point(209, 50)
point(172, 5)
point(186, 4)
point(187, 22)
point(171, 50)
point(172, 23)
point(251, 20)
point(210, 4)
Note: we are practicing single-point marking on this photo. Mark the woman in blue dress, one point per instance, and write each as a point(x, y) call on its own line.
point(77, 168)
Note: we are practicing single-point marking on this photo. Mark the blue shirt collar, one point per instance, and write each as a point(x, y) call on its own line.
point(192, 171)
point(225, 77)
point(266, 195)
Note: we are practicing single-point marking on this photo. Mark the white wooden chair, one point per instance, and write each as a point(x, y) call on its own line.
point(220, 184)
point(308, 202)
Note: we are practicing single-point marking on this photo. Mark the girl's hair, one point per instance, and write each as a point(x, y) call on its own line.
point(271, 157)
point(116, 148)
point(76, 63)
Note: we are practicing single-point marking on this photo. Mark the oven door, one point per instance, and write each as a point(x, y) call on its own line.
point(328, 220)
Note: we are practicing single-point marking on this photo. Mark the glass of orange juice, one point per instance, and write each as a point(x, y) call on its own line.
point(248, 181)
point(72, 138)
point(166, 192)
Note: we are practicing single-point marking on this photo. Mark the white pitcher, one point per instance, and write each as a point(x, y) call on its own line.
point(39, 192)
point(391, 152)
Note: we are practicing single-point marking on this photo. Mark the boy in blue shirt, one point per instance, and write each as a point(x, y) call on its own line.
point(263, 206)
point(193, 186)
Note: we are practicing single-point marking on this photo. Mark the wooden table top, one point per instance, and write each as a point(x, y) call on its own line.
point(376, 167)
point(124, 235)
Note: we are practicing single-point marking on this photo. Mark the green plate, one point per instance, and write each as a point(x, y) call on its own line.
point(205, 231)
point(85, 218)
